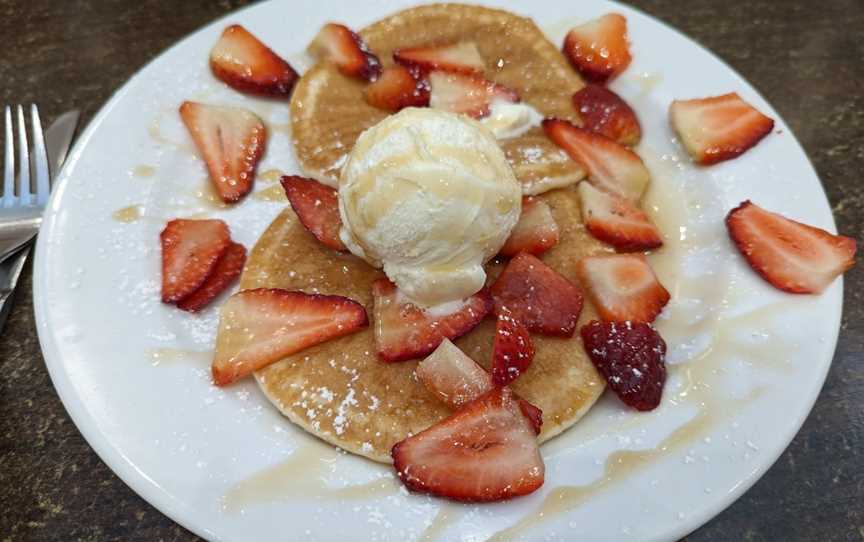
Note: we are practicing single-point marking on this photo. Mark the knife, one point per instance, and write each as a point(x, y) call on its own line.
point(58, 138)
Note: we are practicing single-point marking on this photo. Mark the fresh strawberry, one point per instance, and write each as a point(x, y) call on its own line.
point(631, 357)
point(317, 207)
point(462, 57)
point(258, 327)
point(467, 94)
point(241, 61)
point(535, 233)
point(611, 166)
point(614, 220)
point(604, 112)
point(190, 250)
point(622, 287)
point(403, 331)
point(347, 50)
point(231, 141)
point(452, 376)
point(792, 256)
point(512, 349)
point(397, 88)
point(227, 269)
point(533, 293)
point(485, 451)
point(599, 49)
point(718, 128)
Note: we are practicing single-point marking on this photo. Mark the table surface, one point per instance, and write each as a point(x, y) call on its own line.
point(805, 57)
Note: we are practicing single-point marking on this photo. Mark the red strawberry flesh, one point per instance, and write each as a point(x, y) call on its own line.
point(622, 287)
point(462, 57)
point(512, 350)
point(240, 60)
point(470, 95)
point(347, 50)
point(452, 376)
point(604, 112)
point(190, 251)
point(226, 271)
point(317, 207)
point(614, 220)
point(599, 49)
point(535, 233)
point(396, 88)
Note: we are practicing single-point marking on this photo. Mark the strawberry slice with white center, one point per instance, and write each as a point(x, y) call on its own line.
point(190, 250)
point(485, 451)
point(604, 112)
point(792, 256)
point(599, 49)
point(261, 326)
point(317, 207)
point(461, 57)
point(718, 128)
point(231, 140)
point(614, 220)
point(347, 50)
point(404, 331)
point(535, 233)
point(452, 376)
point(241, 61)
point(396, 88)
point(512, 349)
point(611, 166)
point(622, 287)
point(536, 295)
point(470, 95)
point(226, 271)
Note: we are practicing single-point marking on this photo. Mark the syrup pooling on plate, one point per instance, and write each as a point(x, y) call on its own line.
point(128, 214)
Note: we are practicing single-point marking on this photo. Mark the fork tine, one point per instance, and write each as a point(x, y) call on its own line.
point(9, 167)
point(24, 161)
point(40, 157)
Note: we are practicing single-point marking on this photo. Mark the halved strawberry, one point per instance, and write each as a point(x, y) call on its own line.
point(397, 88)
point(347, 50)
point(631, 357)
point(614, 220)
point(485, 451)
point(599, 49)
point(467, 94)
point(512, 349)
point(535, 233)
point(317, 207)
point(241, 61)
point(231, 141)
point(227, 269)
point(535, 294)
point(403, 331)
point(792, 256)
point(258, 327)
point(461, 57)
point(611, 166)
point(190, 250)
point(604, 112)
point(452, 376)
point(622, 287)
point(718, 128)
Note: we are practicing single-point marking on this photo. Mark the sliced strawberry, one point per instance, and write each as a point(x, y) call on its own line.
point(536, 232)
point(258, 327)
point(599, 49)
point(317, 207)
point(533, 293)
point(485, 451)
point(512, 349)
point(614, 220)
point(397, 88)
point(190, 250)
point(452, 376)
point(241, 61)
point(226, 271)
point(718, 128)
point(792, 256)
point(347, 50)
point(604, 112)
point(611, 166)
point(470, 95)
point(623, 287)
point(631, 357)
point(231, 141)
point(461, 57)
point(403, 331)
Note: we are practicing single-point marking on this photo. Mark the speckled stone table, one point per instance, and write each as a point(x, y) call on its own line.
point(806, 57)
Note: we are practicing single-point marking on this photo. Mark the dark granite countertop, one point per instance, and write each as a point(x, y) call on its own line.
point(807, 59)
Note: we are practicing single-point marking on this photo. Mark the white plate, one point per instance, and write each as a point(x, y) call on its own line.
point(746, 362)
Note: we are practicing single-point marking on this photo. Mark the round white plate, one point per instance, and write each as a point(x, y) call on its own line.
point(746, 362)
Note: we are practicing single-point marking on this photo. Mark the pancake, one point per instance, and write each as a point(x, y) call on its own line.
point(341, 392)
point(328, 110)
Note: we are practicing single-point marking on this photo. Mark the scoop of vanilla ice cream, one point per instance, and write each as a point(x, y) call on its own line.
point(429, 197)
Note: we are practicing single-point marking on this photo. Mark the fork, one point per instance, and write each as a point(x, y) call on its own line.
point(23, 201)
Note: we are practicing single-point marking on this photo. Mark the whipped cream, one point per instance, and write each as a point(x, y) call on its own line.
point(508, 119)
